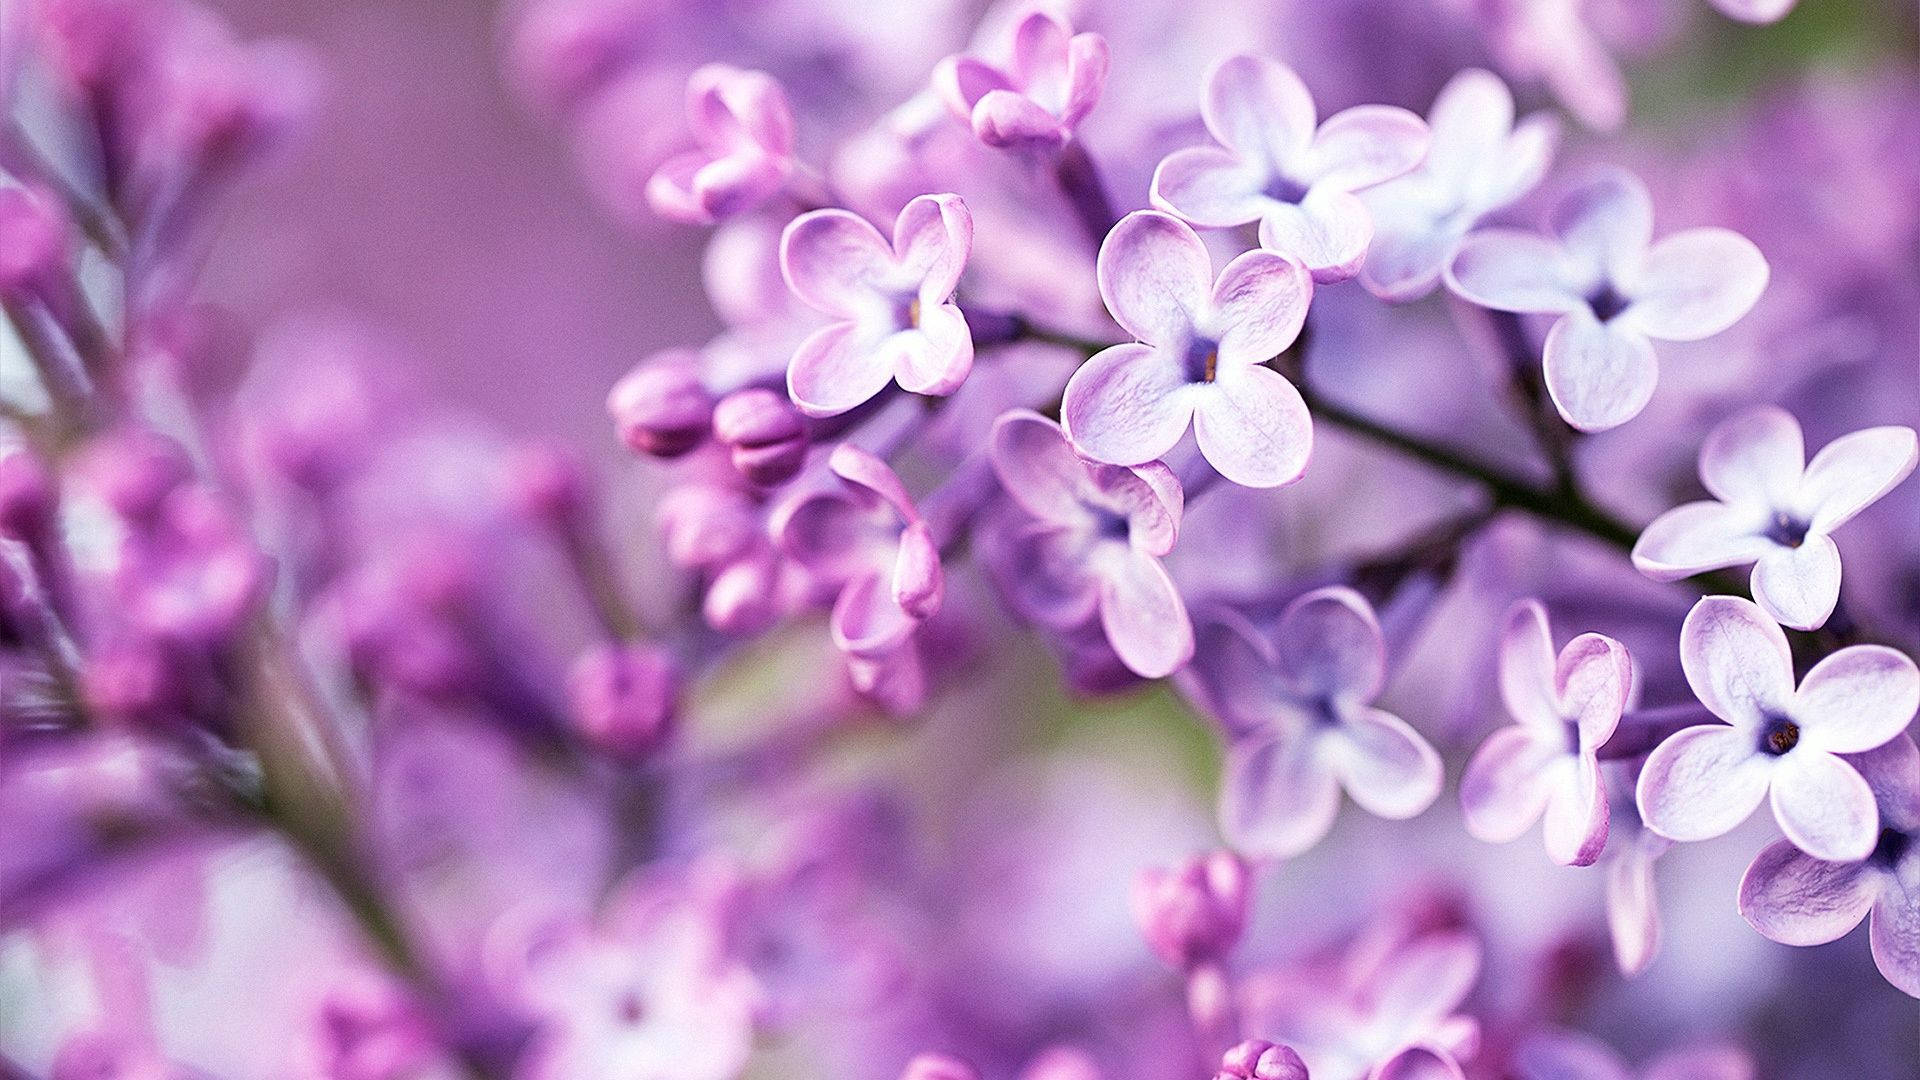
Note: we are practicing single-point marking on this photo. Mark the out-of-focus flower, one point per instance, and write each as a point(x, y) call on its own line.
point(1548, 761)
point(1755, 11)
point(1199, 357)
point(938, 1067)
point(623, 698)
point(1551, 41)
point(744, 131)
point(1704, 780)
point(1258, 1059)
point(1049, 84)
point(1613, 289)
point(1298, 708)
point(893, 303)
point(1193, 913)
point(1773, 508)
point(661, 408)
point(1633, 910)
point(1796, 899)
point(1106, 526)
point(1480, 161)
point(1565, 1055)
point(1274, 166)
point(764, 433)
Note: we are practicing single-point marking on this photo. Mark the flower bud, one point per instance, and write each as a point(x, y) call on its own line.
point(1258, 1059)
point(1193, 914)
point(622, 698)
point(660, 407)
point(34, 245)
point(545, 485)
point(938, 1067)
point(767, 435)
point(135, 471)
point(745, 598)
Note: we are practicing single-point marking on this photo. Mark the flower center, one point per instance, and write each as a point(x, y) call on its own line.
point(1892, 844)
point(1202, 361)
point(1284, 189)
point(630, 1008)
point(1786, 531)
point(1112, 526)
point(913, 312)
point(1779, 736)
point(1606, 302)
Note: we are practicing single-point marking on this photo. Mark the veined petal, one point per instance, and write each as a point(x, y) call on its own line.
point(1258, 107)
point(1504, 789)
point(1328, 232)
point(836, 369)
point(1329, 642)
point(931, 240)
point(1857, 699)
point(1737, 661)
point(1852, 472)
point(1277, 799)
point(1695, 284)
point(935, 357)
point(1154, 275)
point(1233, 675)
point(1606, 221)
point(1510, 270)
point(1527, 668)
point(1259, 304)
point(1754, 458)
point(1824, 806)
point(1365, 145)
point(1702, 782)
point(1385, 765)
point(1895, 934)
point(1211, 187)
point(1148, 496)
point(1892, 770)
point(1795, 899)
point(1253, 426)
point(1575, 823)
point(1143, 616)
point(1128, 405)
point(833, 259)
point(1699, 536)
point(1799, 586)
point(1038, 468)
point(1592, 680)
point(1600, 375)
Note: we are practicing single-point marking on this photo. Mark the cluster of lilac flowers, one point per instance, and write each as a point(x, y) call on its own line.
point(1093, 401)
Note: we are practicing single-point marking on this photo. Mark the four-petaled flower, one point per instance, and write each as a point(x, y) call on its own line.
point(1105, 528)
point(1548, 761)
point(1051, 81)
point(1704, 780)
point(1480, 161)
point(744, 131)
point(1796, 899)
point(892, 303)
point(1613, 288)
point(1199, 357)
point(1773, 508)
point(1298, 709)
point(1275, 167)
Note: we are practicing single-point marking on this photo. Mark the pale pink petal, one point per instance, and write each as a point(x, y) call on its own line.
point(866, 621)
point(1258, 107)
point(867, 470)
point(1566, 1056)
point(1633, 916)
point(1524, 162)
point(1087, 62)
point(1253, 426)
point(1504, 789)
point(1895, 933)
point(1365, 145)
point(1702, 782)
point(1600, 375)
point(1852, 472)
point(1699, 536)
point(1424, 982)
point(1128, 405)
point(1154, 275)
point(836, 369)
point(1143, 616)
point(931, 240)
point(833, 261)
point(1511, 270)
point(1606, 221)
point(1795, 899)
point(736, 183)
point(918, 584)
point(1419, 1063)
point(1592, 681)
point(1260, 302)
point(670, 189)
point(1148, 496)
point(1736, 660)
point(1528, 669)
point(1470, 120)
point(1040, 49)
point(1799, 586)
point(1754, 457)
point(1385, 765)
point(1695, 284)
point(1824, 806)
point(1409, 252)
point(1329, 643)
point(1211, 187)
point(1327, 231)
point(1276, 798)
point(1038, 468)
point(1575, 823)
point(1856, 699)
point(1004, 118)
point(961, 81)
point(935, 357)
point(726, 104)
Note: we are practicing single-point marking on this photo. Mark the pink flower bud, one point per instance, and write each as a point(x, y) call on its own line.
point(1258, 1059)
point(660, 406)
point(767, 434)
point(545, 484)
point(622, 698)
point(1193, 913)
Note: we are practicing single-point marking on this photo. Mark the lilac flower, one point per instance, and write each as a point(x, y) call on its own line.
point(1198, 359)
point(1480, 161)
point(1050, 84)
point(1557, 1055)
point(1193, 913)
point(1774, 509)
point(1275, 167)
point(1258, 1059)
point(744, 131)
point(1548, 760)
point(1613, 290)
point(895, 319)
point(1105, 528)
point(1704, 780)
point(1297, 706)
point(1797, 899)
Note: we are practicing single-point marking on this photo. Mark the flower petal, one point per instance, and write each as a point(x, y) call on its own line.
point(1799, 586)
point(1701, 782)
point(1253, 426)
point(1038, 468)
point(1592, 681)
point(1154, 276)
point(1575, 823)
point(1470, 120)
point(1127, 406)
point(1605, 221)
point(1232, 676)
point(1795, 899)
point(1504, 789)
point(1277, 799)
point(1824, 806)
point(833, 260)
point(1695, 284)
point(1328, 641)
point(1142, 614)
point(1755, 11)
point(1558, 1056)
point(935, 357)
point(1893, 772)
point(1856, 699)
point(1852, 472)
point(1419, 1063)
point(1511, 270)
point(1895, 934)
point(1211, 187)
point(1259, 305)
point(1523, 163)
point(1527, 668)
point(1699, 536)
point(961, 81)
point(1600, 375)
point(1754, 457)
point(1409, 251)
point(1385, 765)
point(1327, 231)
point(1633, 916)
point(1365, 145)
point(836, 369)
point(1087, 62)
point(1736, 660)
point(1258, 107)
point(866, 621)
point(931, 240)
point(1004, 118)
point(1702, 1063)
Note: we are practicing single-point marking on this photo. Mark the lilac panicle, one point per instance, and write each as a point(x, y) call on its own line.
point(1199, 357)
point(892, 303)
point(1274, 166)
point(1547, 762)
point(743, 130)
point(1193, 913)
point(1779, 741)
point(1050, 81)
point(1773, 508)
point(1613, 290)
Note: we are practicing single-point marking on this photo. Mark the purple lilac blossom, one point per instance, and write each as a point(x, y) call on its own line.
point(1050, 81)
point(744, 128)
